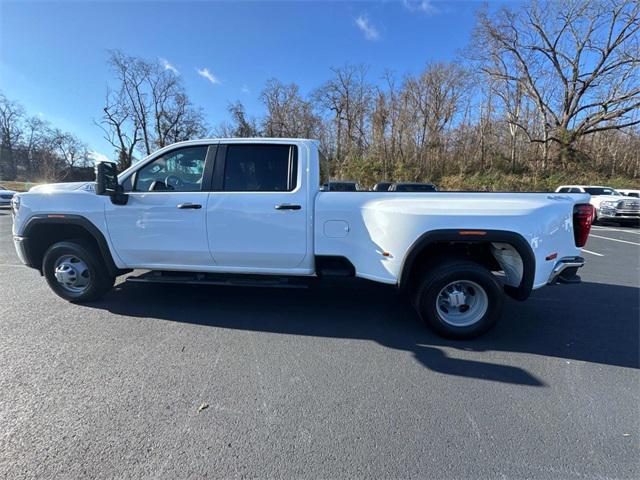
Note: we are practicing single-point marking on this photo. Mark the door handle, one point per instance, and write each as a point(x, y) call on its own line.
point(288, 206)
point(193, 206)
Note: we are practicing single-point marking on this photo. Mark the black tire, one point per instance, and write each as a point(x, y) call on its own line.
point(99, 281)
point(443, 274)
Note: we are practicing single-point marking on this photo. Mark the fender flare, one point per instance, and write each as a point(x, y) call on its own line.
point(71, 219)
point(521, 292)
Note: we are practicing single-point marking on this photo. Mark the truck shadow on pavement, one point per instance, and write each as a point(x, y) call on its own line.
point(588, 322)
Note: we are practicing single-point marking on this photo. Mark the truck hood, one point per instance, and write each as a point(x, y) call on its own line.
point(67, 186)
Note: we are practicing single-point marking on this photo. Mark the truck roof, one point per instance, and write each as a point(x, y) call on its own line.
point(583, 186)
point(246, 140)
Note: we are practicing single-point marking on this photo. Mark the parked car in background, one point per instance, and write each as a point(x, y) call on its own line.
point(340, 186)
point(609, 204)
point(382, 186)
point(413, 187)
point(5, 196)
point(630, 193)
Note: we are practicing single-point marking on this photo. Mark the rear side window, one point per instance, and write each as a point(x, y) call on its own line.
point(564, 190)
point(261, 168)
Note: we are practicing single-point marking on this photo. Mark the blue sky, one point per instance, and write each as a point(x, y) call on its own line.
point(53, 54)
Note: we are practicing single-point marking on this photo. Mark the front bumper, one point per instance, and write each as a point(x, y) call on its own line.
point(618, 215)
point(565, 270)
point(623, 211)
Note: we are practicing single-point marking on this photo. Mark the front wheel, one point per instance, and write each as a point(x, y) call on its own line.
point(459, 299)
point(76, 272)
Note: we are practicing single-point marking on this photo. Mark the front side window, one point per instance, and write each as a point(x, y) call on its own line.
point(176, 171)
point(260, 168)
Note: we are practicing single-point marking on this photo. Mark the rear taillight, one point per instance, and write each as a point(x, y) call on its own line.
point(582, 219)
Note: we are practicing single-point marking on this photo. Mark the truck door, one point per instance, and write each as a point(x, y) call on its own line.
point(163, 224)
point(257, 213)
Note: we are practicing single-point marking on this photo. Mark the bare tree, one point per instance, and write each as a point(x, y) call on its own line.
point(512, 98)
point(576, 60)
point(288, 114)
point(436, 95)
point(11, 116)
point(240, 126)
point(148, 109)
point(348, 97)
point(120, 127)
point(132, 74)
point(71, 150)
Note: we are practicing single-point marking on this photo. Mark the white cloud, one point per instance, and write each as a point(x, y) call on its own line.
point(425, 6)
point(370, 32)
point(168, 66)
point(205, 73)
point(98, 157)
point(245, 89)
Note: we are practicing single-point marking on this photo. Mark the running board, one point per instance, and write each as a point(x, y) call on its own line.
point(227, 280)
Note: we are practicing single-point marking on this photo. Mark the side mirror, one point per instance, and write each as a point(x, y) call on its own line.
point(106, 178)
point(107, 183)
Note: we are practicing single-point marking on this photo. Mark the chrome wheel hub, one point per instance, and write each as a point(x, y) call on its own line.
point(462, 303)
point(72, 273)
point(456, 298)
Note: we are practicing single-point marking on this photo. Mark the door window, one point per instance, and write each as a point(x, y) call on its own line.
point(176, 171)
point(260, 168)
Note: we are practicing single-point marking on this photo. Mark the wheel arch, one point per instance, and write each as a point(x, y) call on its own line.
point(474, 244)
point(42, 231)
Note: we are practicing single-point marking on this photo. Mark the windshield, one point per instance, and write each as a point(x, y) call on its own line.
point(600, 191)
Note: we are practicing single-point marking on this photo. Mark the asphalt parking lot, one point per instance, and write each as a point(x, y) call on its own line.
point(328, 383)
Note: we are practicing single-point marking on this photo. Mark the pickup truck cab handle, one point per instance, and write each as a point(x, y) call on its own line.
point(287, 206)
point(194, 206)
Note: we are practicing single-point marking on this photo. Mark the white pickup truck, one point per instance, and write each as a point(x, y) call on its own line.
point(251, 212)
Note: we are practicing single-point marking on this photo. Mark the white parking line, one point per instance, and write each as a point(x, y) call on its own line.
point(592, 253)
point(604, 229)
point(615, 239)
